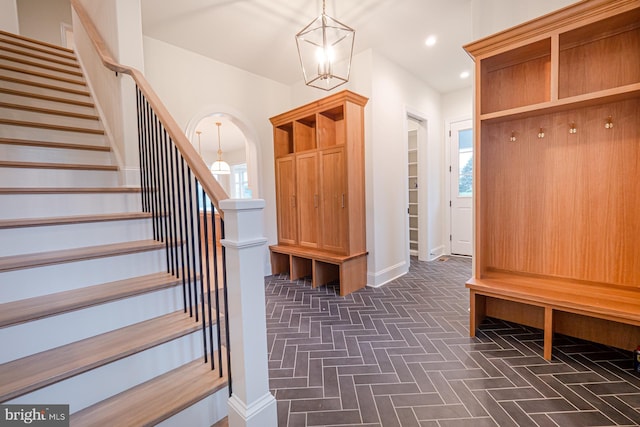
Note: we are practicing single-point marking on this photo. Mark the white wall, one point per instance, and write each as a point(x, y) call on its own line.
point(9, 16)
point(189, 83)
point(120, 25)
point(42, 19)
point(492, 16)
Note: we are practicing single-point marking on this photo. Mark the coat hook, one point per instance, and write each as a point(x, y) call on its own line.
point(572, 128)
point(513, 136)
point(541, 133)
point(609, 123)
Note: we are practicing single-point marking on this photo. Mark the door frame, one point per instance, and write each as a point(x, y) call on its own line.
point(447, 183)
point(423, 209)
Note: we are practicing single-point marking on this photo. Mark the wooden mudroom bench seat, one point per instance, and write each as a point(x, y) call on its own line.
point(322, 266)
point(601, 313)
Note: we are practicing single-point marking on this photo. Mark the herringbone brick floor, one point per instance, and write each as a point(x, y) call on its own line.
point(400, 355)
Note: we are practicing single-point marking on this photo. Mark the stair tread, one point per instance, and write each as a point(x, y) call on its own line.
point(51, 126)
point(45, 86)
point(67, 190)
point(43, 75)
point(40, 65)
point(35, 41)
point(31, 54)
point(72, 219)
point(39, 370)
point(156, 400)
point(50, 144)
point(16, 262)
point(28, 309)
point(45, 165)
point(61, 53)
point(47, 97)
point(48, 111)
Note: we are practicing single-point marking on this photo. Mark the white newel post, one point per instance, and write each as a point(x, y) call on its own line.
point(251, 404)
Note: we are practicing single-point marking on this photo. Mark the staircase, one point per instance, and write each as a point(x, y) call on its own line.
point(89, 315)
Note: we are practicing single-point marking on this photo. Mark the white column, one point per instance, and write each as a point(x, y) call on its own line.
point(251, 404)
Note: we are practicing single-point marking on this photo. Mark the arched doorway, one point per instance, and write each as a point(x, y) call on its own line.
point(239, 147)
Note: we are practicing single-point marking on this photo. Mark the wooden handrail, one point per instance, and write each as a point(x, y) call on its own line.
point(210, 185)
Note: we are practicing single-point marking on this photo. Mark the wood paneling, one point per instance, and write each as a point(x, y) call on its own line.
point(334, 197)
point(286, 200)
point(565, 205)
point(307, 181)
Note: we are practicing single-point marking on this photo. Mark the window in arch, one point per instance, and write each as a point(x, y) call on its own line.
point(240, 182)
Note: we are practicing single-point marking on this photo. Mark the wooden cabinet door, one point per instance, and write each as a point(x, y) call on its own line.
point(286, 200)
point(308, 199)
point(333, 194)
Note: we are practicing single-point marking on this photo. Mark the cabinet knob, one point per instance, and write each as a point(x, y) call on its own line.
point(343, 200)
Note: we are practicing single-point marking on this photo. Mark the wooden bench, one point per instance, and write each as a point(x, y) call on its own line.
point(606, 314)
point(323, 267)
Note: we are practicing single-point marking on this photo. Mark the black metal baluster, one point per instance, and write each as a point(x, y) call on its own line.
point(140, 127)
point(144, 161)
point(168, 202)
point(194, 285)
point(185, 231)
point(174, 215)
point(179, 243)
point(156, 179)
point(149, 167)
point(163, 193)
point(202, 227)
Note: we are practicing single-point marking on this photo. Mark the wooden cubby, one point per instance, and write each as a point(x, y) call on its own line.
point(283, 140)
point(516, 77)
point(319, 155)
point(557, 167)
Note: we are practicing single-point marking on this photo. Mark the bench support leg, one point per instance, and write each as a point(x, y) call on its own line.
point(548, 332)
point(477, 309)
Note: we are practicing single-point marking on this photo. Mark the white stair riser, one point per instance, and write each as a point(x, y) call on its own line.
point(19, 56)
point(101, 383)
point(55, 237)
point(40, 69)
point(80, 324)
point(31, 282)
point(27, 177)
point(13, 206)
point(43, 103)
point(75, 83)
point(27, 153)
point(51, 119)
point(204, 413)
point(36, 134)
point(44, 91)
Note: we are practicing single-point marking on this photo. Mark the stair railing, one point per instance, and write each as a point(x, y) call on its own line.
point(182, 195)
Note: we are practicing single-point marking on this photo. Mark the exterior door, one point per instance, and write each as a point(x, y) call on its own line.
point(286, 201)
point(333, 200)
point(461, 188)
point(308, 199)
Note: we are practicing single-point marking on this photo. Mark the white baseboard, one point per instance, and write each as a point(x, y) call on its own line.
point(436, 252)
point(380, 278)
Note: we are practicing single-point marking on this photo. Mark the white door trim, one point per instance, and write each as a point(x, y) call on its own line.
point(447, 183)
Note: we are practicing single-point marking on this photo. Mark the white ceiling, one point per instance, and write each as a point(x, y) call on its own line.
point(258, 35)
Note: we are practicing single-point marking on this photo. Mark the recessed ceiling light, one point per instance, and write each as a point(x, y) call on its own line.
point(431, 40)
point(464, 75)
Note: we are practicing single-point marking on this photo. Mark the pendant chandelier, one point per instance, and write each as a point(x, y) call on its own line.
point(220, 167)
point(325, 48)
